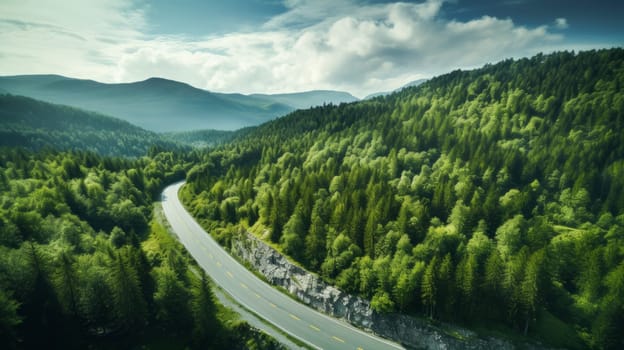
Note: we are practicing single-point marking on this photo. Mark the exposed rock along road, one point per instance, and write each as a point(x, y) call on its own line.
point(317, 330)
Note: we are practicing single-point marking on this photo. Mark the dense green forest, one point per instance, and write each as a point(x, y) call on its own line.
point(83, 264)
point(202, 138)
point(484, 197)
point(35, 125)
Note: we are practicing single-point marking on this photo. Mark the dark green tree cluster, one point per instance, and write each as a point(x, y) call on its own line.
point(487, 196)
point(81, 265)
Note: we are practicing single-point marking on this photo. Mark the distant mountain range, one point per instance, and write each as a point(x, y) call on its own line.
point(164, 105)
point(410, 84)
point(304, 100)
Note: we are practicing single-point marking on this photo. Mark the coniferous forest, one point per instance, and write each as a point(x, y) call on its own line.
point(84, 264)
point(487, 197)
point(491, 198)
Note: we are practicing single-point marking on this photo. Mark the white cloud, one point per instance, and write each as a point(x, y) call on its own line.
point(314, 45)
point(561, 23)
point(72, 37)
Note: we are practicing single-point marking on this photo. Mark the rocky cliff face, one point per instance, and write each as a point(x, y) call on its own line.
point(307, 287)
point(313, 291)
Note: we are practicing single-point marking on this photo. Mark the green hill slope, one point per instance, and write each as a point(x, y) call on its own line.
point(487, 197)
point(86, 262)
point(34, 124)
point(164, 105)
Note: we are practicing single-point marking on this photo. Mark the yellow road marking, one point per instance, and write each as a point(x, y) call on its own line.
point(219, 263)
point(315, 328)
point(294, 317)
point(244, 285)
point(257, 295)
point(229, 274)
point(359, 348)
point(210, 256)
point(337, 339)
point(273, 305)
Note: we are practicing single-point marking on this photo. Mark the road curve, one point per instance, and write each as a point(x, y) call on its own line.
point(311, 327)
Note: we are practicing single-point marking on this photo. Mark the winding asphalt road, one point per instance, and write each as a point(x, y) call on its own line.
point(309, 326)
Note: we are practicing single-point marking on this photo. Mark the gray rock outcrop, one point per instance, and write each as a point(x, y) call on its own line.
point(307, 287)
point(311, 290)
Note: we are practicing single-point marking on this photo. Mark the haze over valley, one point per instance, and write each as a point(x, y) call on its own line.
point(163, 105)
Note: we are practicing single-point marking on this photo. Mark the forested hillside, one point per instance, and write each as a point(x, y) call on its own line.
point(484, 197)
point(35, 125)
point(201, 138)
point(83, 265)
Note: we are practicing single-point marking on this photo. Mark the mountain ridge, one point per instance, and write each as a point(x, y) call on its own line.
point(164, 105)
point(385, 93)
point(311, 98)
point(33, 124)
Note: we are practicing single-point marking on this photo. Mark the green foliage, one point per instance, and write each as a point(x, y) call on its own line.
point(429, 287)
point(9, 319)
point(381, 302)
point(506, 182)
point(203, 307)
point(202, 138)
point(171, 299)
point(37, 125)
point(81, 265)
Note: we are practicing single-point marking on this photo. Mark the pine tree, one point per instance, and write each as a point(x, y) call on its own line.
point(531, 287)
point(429, 287)
point(129, 305)
point(204, 311)
point(492, 283)
point(316, 237)
point(171, 299)
point(294, 231)
point(403, 290)
point(67, 282)
point(446, 290)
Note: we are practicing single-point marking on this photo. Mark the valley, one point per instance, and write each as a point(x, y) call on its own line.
point(163, 105)
point(485, 202)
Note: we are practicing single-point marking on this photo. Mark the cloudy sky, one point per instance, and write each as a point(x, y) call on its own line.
point(359, 46)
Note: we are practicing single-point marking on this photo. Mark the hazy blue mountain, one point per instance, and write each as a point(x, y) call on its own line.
point(33, 124)
point(164, 105)
point(410, 84)
point(154, 104)
point(302, 100)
